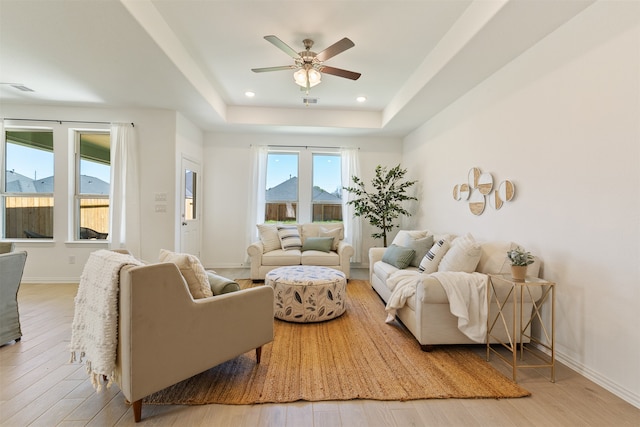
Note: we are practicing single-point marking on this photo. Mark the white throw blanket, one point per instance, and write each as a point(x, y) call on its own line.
point(467, 294)
point(94, 331)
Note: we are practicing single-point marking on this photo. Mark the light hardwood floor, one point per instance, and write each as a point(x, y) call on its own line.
point(39, 387)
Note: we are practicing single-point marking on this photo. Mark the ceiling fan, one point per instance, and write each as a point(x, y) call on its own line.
point(309, 65)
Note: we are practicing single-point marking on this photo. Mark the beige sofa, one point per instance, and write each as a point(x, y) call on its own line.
point(268, 253)
point(166, 336)
point(427, 313)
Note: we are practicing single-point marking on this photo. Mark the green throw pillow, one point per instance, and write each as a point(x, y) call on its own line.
point(221, 285)
point(317, 244)
point(398, 256)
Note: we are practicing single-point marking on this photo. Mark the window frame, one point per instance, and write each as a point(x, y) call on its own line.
point(4, 194)
point(338, 157)
point(77, 224)
point(304, 209)
point(295, 202)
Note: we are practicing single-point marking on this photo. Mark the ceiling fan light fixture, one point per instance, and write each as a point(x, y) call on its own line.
point(301, 75)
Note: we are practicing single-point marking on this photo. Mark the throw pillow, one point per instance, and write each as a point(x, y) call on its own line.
point(429, 263)
point(289, 237)
point(221, 285)
point(398, 256)
point(192, 271)
point(414, 234)
point(335, 233)
point(269, 237)
point(323, 244)
point(420, 245)
point(464, 255)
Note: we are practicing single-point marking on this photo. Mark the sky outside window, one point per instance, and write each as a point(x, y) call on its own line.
point(29, 161)
point(327, 172)
point(38, 164)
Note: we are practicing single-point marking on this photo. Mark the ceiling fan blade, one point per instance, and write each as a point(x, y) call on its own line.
point(339, 72)
point(282, 46)
point(265, 69)
point(335, 49)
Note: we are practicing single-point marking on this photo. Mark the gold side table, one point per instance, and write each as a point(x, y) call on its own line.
point(516, 291)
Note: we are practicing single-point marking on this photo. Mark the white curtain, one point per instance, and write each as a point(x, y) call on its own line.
point(124, 226)
point(352, 223)
point(256, 193)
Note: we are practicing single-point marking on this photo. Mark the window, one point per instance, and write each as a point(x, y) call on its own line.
point(190, 194)
point(93, 177)
point(326, 195)
point(303, 187)
point(281, 195)
point(27, 193)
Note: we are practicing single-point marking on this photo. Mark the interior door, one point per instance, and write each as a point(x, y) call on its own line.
point(190, 208)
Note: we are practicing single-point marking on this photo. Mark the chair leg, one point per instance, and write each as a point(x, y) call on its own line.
point(258, 354)
point(137, 410)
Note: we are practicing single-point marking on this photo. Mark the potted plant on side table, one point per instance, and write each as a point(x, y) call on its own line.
point(520, 260)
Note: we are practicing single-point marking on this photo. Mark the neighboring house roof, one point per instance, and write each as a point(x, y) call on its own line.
point(288, 191)
point(17, 183)
point(93, 185)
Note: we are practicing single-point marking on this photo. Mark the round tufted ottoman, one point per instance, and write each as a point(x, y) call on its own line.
point(306, 293)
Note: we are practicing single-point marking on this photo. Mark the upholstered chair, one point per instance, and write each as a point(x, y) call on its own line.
point(11, 268)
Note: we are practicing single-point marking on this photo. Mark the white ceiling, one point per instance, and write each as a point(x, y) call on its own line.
point(416, 57)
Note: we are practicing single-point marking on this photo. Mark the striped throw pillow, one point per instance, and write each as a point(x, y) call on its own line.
point(429, 263)
point(289, 237)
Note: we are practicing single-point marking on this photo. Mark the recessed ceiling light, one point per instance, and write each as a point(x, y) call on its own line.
point(249, 94)
point(361, 98)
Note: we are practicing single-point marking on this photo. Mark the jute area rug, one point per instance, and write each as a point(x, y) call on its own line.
point(356, 356)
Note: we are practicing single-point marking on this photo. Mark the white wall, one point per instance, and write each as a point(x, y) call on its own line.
point(227, 186)
point(561, 122)
point(156, 132)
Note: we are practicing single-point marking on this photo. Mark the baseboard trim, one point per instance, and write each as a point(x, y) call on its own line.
point(604, 382)
point(48, 280)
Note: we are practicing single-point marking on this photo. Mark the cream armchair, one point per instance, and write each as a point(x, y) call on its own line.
point(165, 336)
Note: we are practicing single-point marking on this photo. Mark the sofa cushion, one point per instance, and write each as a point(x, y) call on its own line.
point(463, 255)
point(192, 271)
point(281, 257)
point(322, 244)
point(420, 245)
point(398, 256)
point(320, 258)
point(382, 270)
point(493, 258)
point(269, 237)
point(429, 263)
point(402, 236)
point(221, 285)
point(336, 234)
point(289, 237)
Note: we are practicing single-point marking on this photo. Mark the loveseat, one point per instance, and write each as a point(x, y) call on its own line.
point(427, 313)
point(320, 244)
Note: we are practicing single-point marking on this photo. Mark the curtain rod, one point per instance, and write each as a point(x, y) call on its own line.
point(306, 146)
point(63, 121)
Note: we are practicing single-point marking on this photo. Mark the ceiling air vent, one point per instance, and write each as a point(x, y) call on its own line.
point(307, 101)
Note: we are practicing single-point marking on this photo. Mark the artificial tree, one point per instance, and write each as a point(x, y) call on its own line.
point(383, 205)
